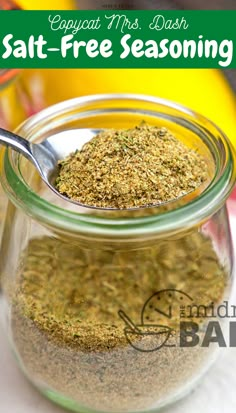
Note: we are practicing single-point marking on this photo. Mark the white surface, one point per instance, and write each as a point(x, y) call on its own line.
point(216, 394)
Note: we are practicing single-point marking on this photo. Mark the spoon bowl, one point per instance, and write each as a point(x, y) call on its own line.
point(45, 156)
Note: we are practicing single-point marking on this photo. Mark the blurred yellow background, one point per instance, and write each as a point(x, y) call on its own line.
point(46, 4)
point(205, 91)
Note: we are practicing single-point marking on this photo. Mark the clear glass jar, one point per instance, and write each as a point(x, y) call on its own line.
point(94, 298)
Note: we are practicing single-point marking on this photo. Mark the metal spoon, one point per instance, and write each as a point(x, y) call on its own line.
point(45, 156)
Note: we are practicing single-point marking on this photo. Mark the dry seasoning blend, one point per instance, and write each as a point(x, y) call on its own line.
point(65, 316)
point(68, 332)
point(129, 168)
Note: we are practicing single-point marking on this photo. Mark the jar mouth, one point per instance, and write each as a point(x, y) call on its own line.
point(87, 108)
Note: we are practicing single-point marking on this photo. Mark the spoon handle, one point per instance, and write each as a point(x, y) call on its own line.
point(17, 143)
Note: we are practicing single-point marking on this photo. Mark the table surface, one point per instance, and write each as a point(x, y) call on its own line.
point(215, 394)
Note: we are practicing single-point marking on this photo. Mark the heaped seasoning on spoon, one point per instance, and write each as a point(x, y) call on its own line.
point(137, 167)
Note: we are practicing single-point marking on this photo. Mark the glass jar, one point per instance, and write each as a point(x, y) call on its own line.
point(98, 302)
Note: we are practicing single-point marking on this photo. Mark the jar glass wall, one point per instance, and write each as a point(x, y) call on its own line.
point(96, 300)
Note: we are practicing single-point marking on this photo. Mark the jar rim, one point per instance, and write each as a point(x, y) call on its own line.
point(185, 216)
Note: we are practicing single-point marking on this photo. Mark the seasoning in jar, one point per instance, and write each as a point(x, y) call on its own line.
point(71, 302)
point(66, 324)
point(142, 166)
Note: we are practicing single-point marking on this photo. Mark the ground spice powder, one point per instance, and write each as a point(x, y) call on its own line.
point(142, 166)
point(70, 338)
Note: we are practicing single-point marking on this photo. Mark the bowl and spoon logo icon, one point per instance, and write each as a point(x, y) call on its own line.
point(155, 331)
